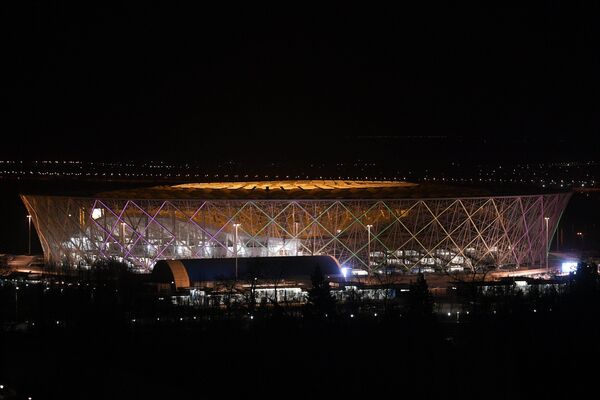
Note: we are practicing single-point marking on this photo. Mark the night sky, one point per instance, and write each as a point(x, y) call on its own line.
point(92, 81)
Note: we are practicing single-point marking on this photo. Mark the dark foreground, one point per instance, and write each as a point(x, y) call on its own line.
point(527, 355)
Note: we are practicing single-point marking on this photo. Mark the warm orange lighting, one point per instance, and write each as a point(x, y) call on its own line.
point(297, 185)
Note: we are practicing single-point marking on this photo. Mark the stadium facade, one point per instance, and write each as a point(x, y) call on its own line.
point(365, 225)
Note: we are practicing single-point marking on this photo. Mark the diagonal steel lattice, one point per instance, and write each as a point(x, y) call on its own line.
point(408, 234)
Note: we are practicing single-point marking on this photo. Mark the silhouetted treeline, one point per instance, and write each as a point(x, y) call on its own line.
point(108, 346)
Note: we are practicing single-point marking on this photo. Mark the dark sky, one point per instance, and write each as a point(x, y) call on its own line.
point(93, 81)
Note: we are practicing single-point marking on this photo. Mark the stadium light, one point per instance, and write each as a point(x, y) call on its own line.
point(547, 244)
point(338, 231)
point(568, 266)
point(344, 272)
point(369, 245)
point(296, 236)
point(580, 234)
point(29, 223)
point(236, 226)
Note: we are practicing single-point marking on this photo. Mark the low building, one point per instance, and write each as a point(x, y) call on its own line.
point(205, 272)
point(270, 278)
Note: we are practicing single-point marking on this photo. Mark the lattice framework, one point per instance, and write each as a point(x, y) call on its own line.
point(406, 234)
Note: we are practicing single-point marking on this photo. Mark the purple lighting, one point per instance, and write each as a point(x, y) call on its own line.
point(441, 234)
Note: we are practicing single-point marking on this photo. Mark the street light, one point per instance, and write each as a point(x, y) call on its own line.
point(296, 236)
point(580, 234)
point(335, 242)
point(236, 226)
point(547, 244)
point(16, 303)
point(369, 245)
point(29, 223)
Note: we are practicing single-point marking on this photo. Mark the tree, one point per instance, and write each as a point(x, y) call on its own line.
point(320, 300)
point(227, 293)
point(252, 277)
point(585, 280)
point(420, 302)
point(386, 283)
point(109, 270)
point(583, 287)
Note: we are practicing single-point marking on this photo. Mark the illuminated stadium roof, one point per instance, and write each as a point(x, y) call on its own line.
point(298, 185)
point(300, 189)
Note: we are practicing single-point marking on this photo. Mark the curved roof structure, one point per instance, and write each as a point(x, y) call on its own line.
point(309, 189)
point(187, 272)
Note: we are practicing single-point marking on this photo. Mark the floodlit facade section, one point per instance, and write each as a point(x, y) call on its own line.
point(406, 234)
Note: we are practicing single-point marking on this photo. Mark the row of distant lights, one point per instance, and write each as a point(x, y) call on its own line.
point(134, 320)
point(126, 174)
point(181, 319)
point(161, 164)
point(543, 182)
point(32, 172)
point(226, 176)
point(493, 312)
point(187, 166)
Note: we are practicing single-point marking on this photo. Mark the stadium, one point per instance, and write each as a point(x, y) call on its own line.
point(367, 226)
